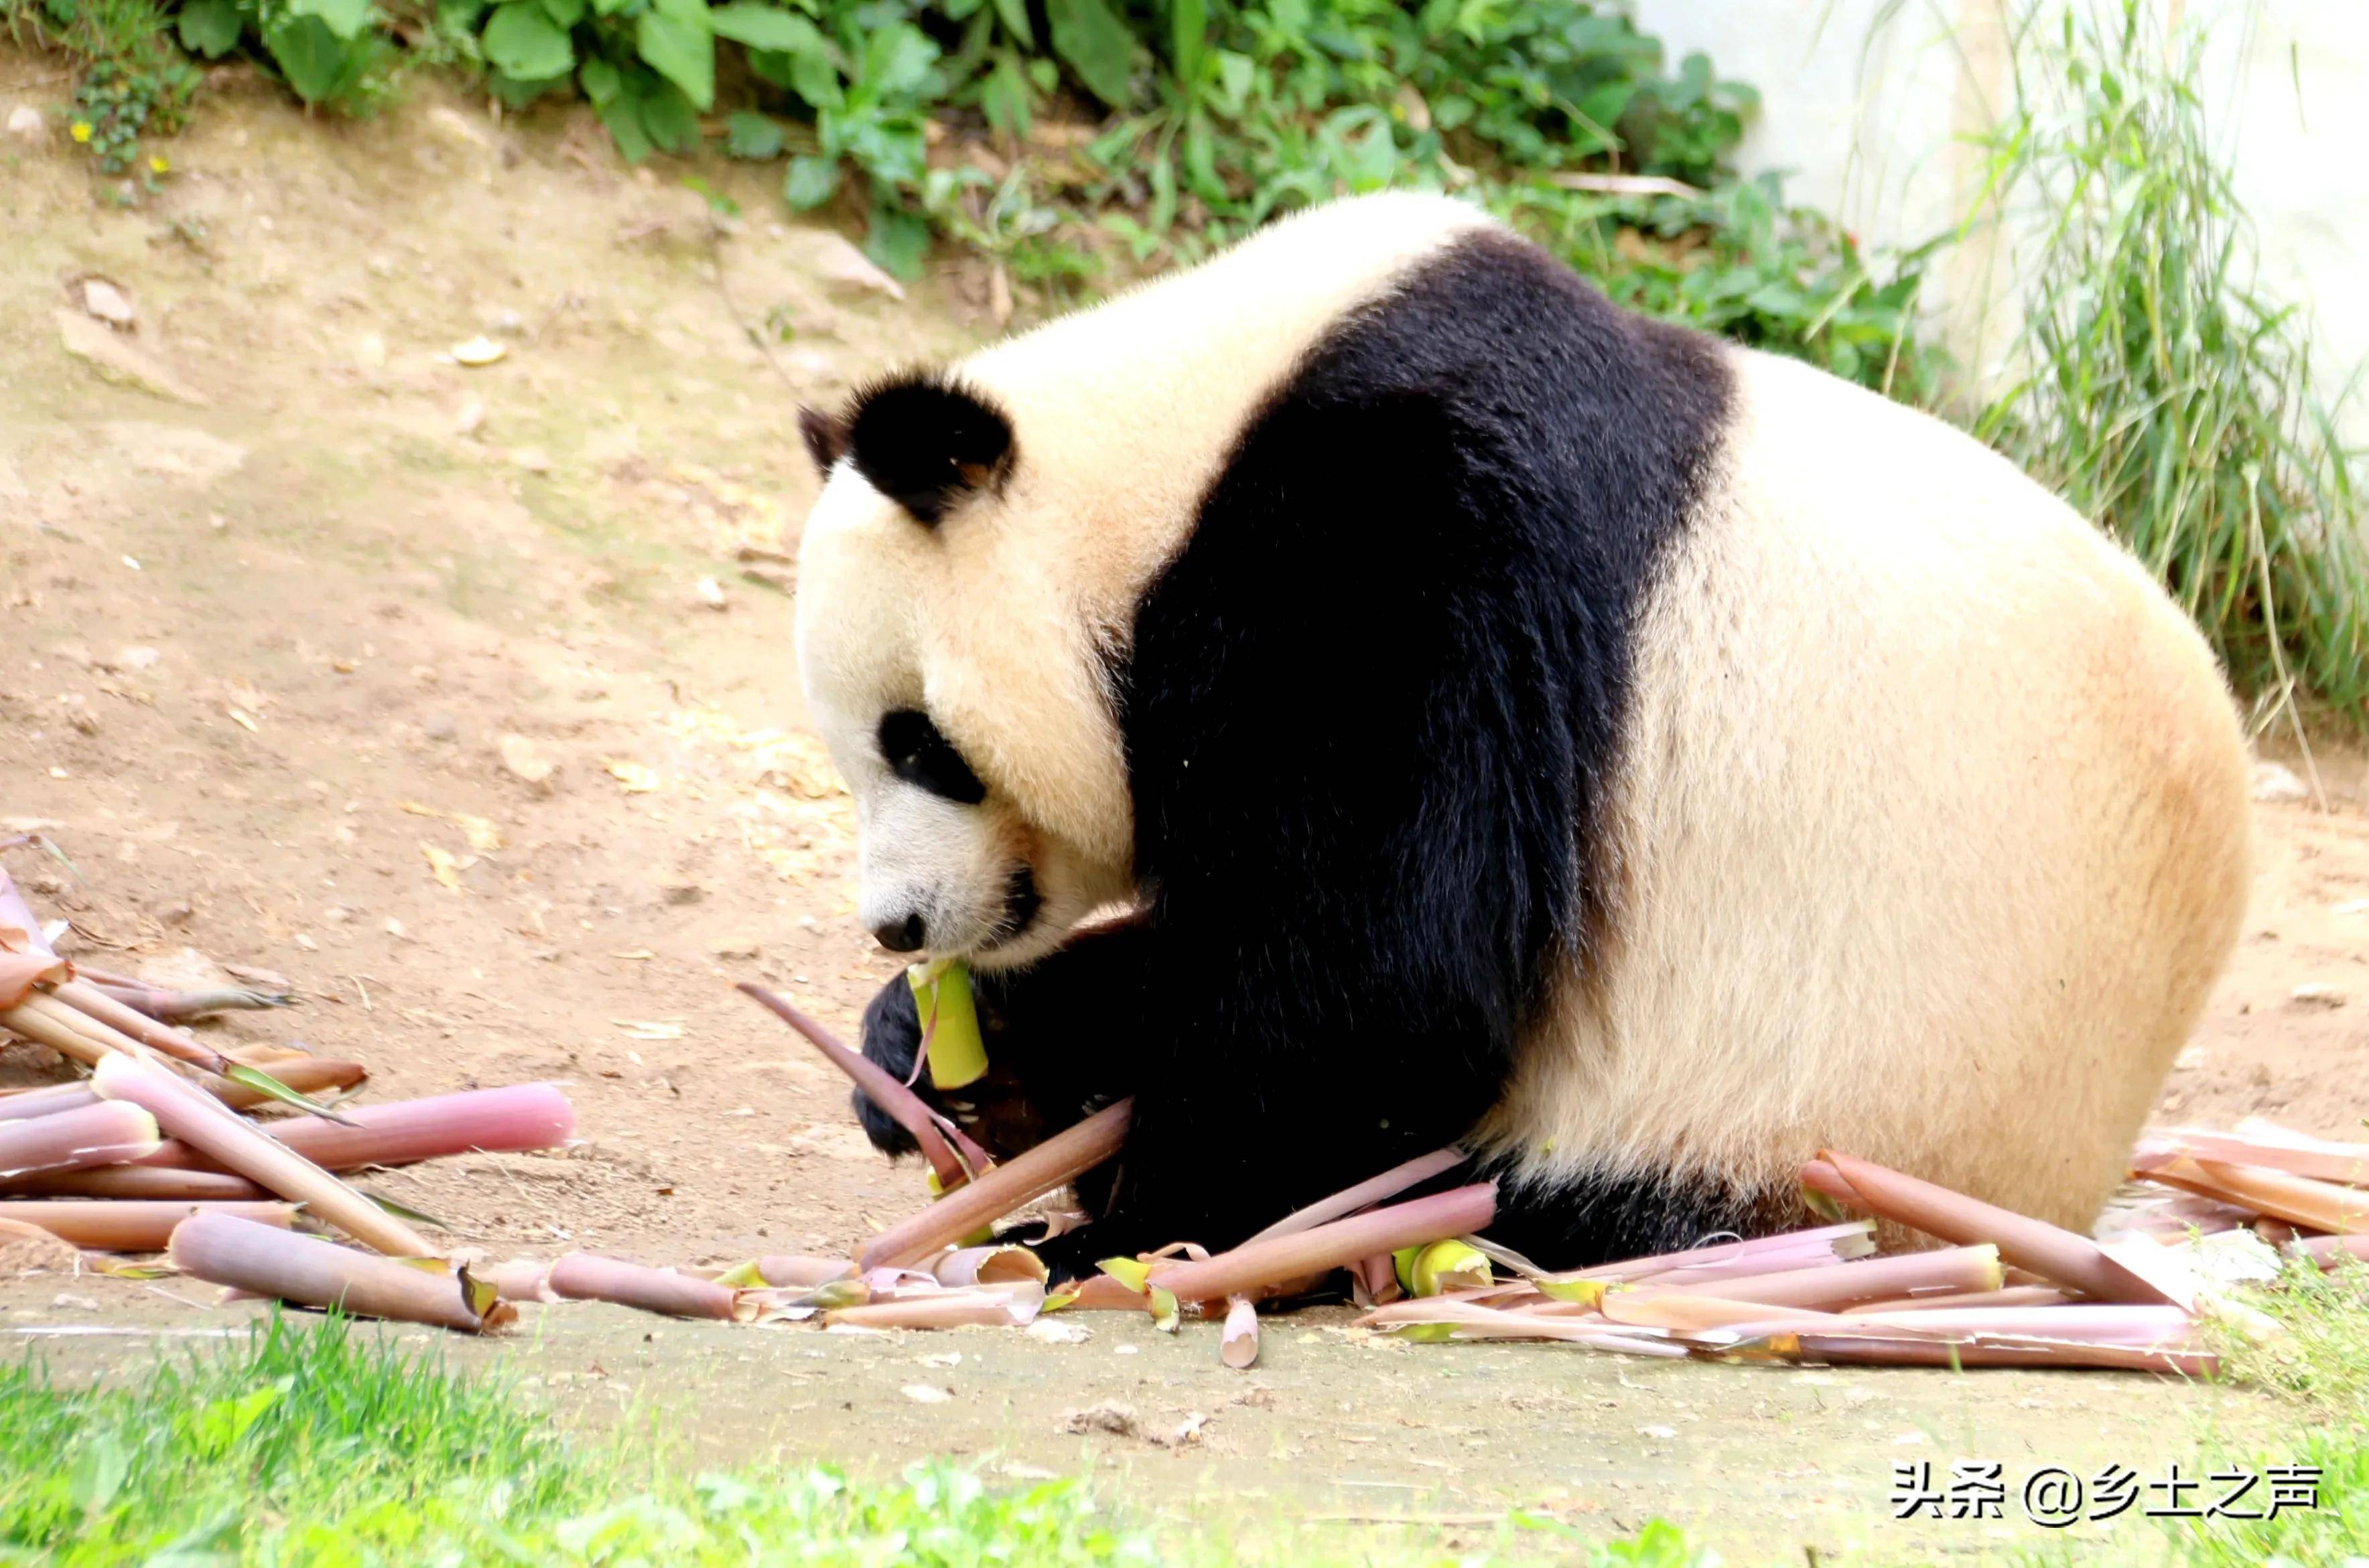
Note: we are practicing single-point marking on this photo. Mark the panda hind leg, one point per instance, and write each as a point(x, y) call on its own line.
point(1581, 1219)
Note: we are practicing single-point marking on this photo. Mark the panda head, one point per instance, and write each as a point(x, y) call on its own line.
point(957, 662)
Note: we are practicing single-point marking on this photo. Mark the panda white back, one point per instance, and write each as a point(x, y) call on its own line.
point(1644, 759)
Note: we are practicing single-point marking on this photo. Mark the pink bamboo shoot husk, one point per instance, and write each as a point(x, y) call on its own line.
point(27, 1104)
point(74, 1140)
point(897, 1100)
point(178, 1043)
point(114, 1227)
point(1013, 1306)
point(1953, 1270)
point(1023, 1179)
point(1366, 1194)
point(523, 1279)
point(1337, 1244)
point(512, 1120)
point(2035, 1244)
point(2291, 1153)
point(138, 1183)
point(2009, 1296)
point(2319, 1205)
point(1819, 1246)
point(192, 1115)
point(1684, 1312)
point(786, 1272)
point(26, 959)
point(1238, 1342)
point(1105, 1293)
point(583, 1276)
point(989, 1265)
point(1845, 1350)
point(1468, 1321)
point(306, 1075)
point(263, 1261)
point(2140, 1326)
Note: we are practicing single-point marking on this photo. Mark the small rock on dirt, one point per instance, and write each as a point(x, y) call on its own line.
point(1110, 1417)
point(838, 262)
point(2276, 784)
point(105, 301)
point(1057, 1331)
point(26, 124)
point(441, 727)
point(117, 359)
point(524, 762)
point(735, 947)
point(927, 1393)
point(2316, 995)
point(710, 593)
point(680, 893)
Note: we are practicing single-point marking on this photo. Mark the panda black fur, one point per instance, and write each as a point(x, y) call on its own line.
point(1361, 619)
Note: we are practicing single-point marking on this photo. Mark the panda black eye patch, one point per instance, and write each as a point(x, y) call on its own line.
point(917, 754)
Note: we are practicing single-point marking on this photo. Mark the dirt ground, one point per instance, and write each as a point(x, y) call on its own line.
point(464, 697)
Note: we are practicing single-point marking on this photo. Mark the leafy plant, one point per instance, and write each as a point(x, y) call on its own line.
point(2160, 390)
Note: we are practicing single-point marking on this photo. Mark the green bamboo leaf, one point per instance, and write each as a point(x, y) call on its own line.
point(405, 1211)
point(262, 1082)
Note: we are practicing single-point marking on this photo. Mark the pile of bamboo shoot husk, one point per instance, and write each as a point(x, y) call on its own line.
point(151, 1150)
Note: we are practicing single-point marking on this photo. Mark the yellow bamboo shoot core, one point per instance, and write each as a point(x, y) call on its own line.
point(949, 1022)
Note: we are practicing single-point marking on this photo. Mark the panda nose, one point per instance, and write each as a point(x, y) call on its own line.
point(901, 936)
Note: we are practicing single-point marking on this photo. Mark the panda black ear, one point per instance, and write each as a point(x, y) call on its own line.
point(926, 443)
point(826, 437)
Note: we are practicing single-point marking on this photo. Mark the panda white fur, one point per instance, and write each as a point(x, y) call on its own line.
point(1511, 721)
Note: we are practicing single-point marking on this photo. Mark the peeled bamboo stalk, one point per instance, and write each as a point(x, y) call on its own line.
point(119, 1227)
point(510, 1120)
point(195, 1117)
point(137, 1182)
point(1335, 1244)
point(310, 1273)
point(2035, 1244)
point(1058, 1160)
point(582, 1276)
point(1366, 1194)
point(72, 1140)
point(929, 1129)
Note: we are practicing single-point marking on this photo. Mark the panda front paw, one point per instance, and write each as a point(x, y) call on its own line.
point(892, 1039)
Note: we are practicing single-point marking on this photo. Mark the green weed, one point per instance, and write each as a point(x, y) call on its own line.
point(2160, 390)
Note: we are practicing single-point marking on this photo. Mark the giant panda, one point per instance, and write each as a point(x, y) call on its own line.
point(1368, 693)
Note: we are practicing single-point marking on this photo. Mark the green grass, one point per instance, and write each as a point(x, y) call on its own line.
point(2160, 389)
point(311, 1443)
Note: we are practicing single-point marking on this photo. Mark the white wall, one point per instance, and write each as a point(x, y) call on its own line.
point(1864, 114)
